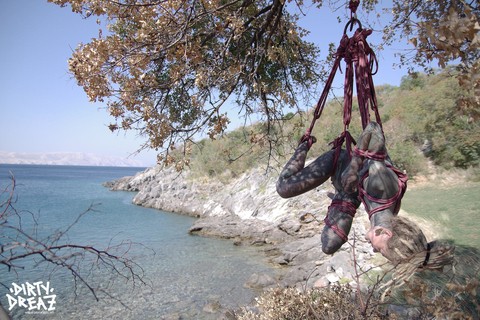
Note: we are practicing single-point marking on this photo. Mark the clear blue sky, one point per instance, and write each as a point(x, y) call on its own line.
point(41, 107)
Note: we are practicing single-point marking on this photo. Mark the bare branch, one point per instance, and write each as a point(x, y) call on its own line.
point(17, 244)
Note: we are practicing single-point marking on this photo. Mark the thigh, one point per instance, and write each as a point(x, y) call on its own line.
point(382, 182)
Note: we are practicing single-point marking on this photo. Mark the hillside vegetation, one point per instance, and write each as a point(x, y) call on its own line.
point(421, 119)
point(423, 125)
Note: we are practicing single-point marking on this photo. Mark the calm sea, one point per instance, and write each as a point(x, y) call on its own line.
point(184, 273)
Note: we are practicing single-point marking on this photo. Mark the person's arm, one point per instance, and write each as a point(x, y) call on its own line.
point(296, 179)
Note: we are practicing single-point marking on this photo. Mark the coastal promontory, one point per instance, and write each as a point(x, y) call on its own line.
point(249, 211)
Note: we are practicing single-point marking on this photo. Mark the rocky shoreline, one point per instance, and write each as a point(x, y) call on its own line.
point(249, 211)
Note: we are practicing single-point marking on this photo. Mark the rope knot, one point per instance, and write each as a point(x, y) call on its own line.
point(308, 138)
point(372, 155)
point(353, 5)
point(342, 47)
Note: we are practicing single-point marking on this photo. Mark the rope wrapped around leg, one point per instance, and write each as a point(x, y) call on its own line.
point(337, 224)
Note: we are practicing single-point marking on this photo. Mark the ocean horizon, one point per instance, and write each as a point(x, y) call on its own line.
point(73, 159)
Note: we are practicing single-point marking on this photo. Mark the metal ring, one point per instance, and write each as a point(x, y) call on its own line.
point(351, 23)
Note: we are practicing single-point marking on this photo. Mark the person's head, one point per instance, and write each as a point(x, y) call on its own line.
point(406, 247)
point(378, 238)
point(406, 243)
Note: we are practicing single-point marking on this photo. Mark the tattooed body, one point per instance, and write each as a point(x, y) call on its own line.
point(368, 176)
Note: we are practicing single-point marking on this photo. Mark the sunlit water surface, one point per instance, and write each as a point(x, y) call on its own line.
point(183, 272)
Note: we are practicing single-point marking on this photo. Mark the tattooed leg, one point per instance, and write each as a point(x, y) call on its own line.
point(296, 179)
point(370, 142)
point(369, 167)
point(338, 221)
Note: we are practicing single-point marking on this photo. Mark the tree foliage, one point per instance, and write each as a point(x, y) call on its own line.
point(443, 32)
point(169, 69)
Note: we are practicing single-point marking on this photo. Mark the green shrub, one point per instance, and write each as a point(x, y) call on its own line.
point(406, 156)
point(423, 108)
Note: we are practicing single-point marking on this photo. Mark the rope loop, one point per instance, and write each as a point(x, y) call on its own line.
point(307, 137)
point(360, 60)
point(377, 156)
point(351, 23)
point(383, 203)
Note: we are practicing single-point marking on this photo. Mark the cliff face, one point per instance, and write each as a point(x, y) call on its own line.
point(249, 211)
point(251, 196)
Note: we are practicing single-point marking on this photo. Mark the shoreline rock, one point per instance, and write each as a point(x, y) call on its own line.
point(249, 212)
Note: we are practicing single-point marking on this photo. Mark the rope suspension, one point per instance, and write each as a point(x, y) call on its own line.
point(360, 62)
point(361, 65)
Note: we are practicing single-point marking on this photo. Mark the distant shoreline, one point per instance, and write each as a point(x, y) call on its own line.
point(72, 159)
point(73, 165)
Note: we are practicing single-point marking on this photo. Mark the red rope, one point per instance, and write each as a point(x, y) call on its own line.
point(353, 5)
point(339, 232)
point(336, 144)
point(344, 206)
point(365, 60)
point(385, 203)
point(328, 84)
point(360, 60)
point(378, 156)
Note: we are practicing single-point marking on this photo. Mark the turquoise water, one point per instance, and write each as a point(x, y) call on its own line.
point(183, 272)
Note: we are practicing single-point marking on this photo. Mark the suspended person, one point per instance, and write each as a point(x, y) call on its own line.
point(370, 176)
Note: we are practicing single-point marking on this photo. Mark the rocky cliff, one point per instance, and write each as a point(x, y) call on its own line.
point(249, 211)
